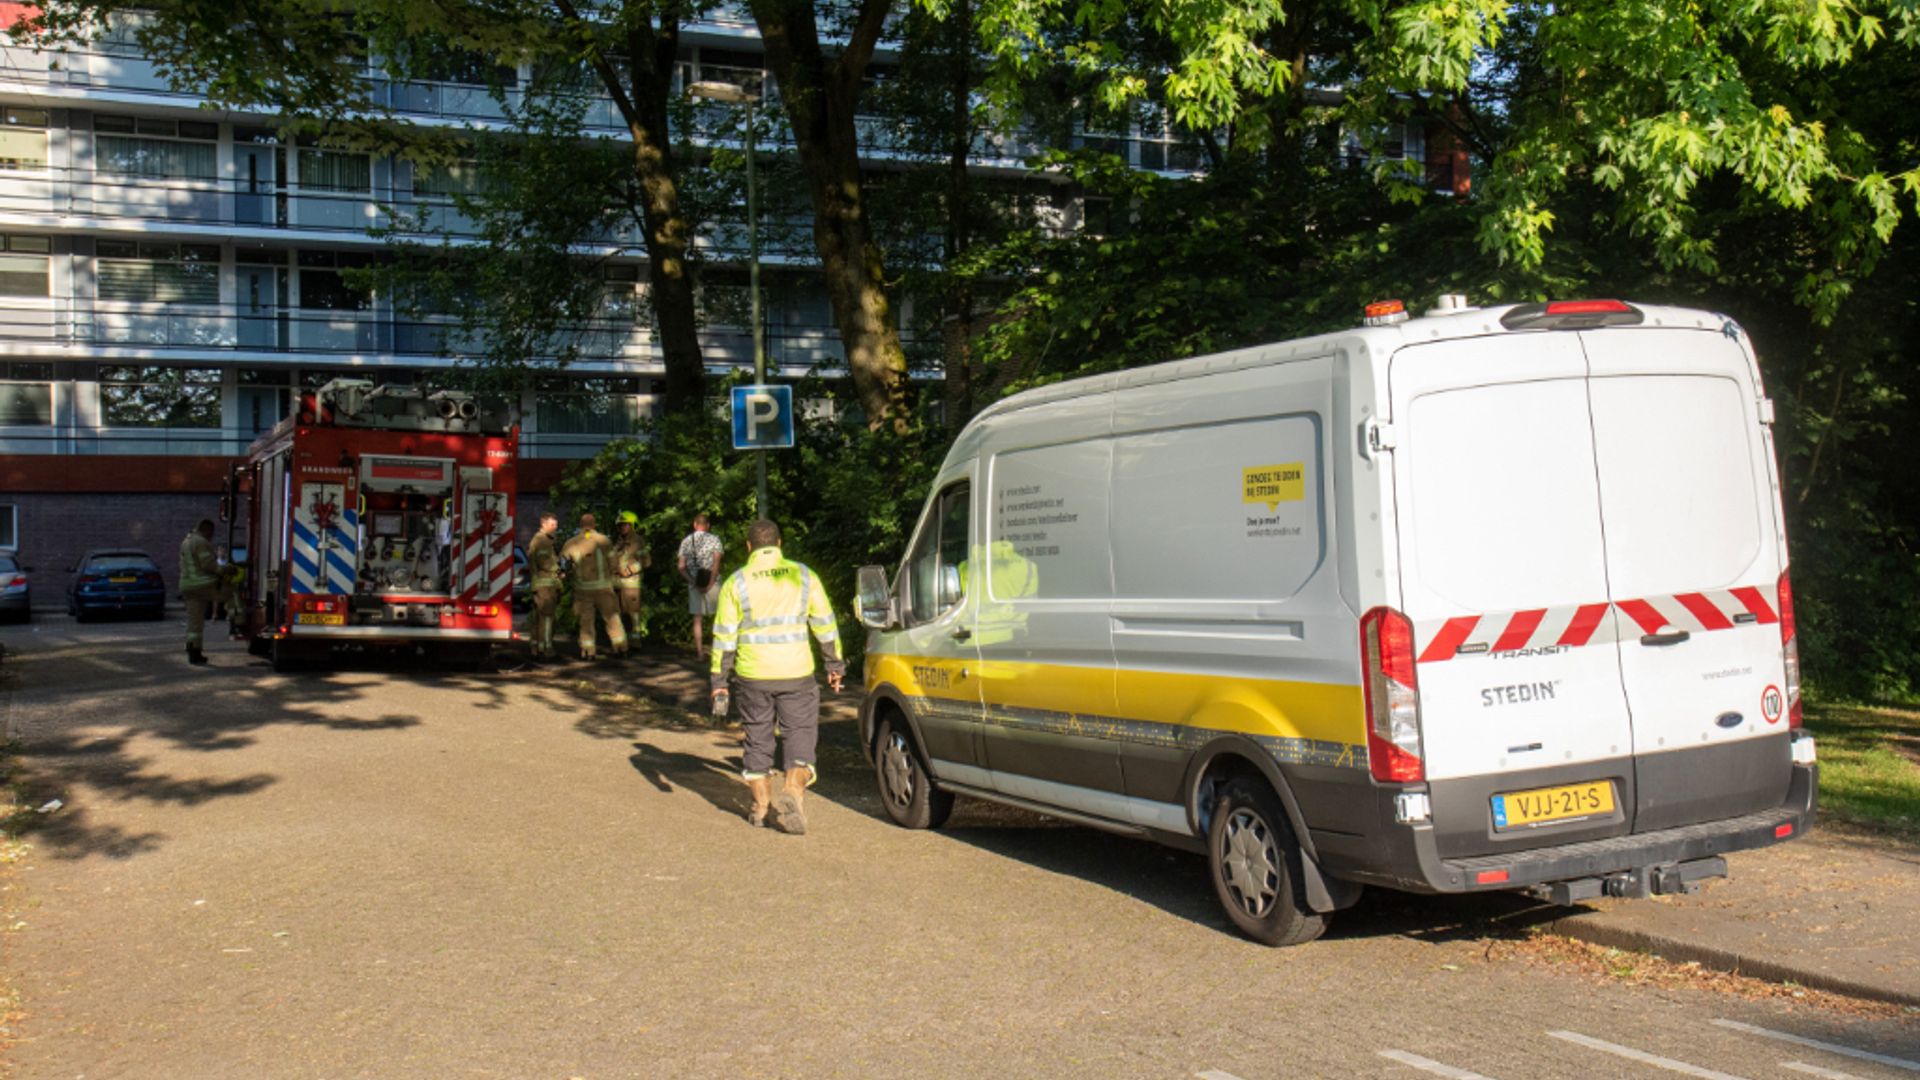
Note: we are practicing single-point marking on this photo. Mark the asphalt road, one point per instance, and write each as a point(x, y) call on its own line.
point(385, 872)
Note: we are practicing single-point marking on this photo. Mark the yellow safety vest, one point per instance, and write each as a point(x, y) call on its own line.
point(198, 567)
point(766, 609)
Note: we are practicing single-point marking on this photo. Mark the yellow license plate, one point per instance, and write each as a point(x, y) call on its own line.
point(123, 580)
point(1541, 805)
point(320, 619)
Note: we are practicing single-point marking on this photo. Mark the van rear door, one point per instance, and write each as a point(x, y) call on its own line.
point(1526, 734)
point(1694, 555)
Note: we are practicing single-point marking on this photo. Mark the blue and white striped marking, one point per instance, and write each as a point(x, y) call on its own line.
point(324, 563)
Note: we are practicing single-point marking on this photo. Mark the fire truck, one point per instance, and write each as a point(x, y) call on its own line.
point(376, 517)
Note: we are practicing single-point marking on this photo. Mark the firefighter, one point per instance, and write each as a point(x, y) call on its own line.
point(760, 641)
point(591, 554)
point(544, 564)
point(630, 556)
point(199, 585)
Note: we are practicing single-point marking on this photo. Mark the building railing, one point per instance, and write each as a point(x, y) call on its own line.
point(89, 328)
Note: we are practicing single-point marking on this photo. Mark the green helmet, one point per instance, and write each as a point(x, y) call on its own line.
point(628, 517)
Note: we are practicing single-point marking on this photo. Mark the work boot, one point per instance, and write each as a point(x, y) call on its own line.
point(762, 789)
point(195, 656)
point(792, 800)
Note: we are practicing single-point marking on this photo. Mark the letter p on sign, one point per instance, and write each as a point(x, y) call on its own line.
point(762, 417)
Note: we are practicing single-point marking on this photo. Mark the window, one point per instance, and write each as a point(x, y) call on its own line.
point(23, 265)
point(620, 296)
point(324, 288)
point(158, 273)
point(26, 395)
point(589, 406)
point(936, 571)
point(446, 181)
point(160, 397)
point(335, 170)
point(161, 149)
point(9, 526)
point(1049, 504)
point(23, 138)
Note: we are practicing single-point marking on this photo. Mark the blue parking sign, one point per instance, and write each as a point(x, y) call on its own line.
point(762, 417)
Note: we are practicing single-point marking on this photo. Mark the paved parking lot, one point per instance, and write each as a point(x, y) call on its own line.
point(392, 872)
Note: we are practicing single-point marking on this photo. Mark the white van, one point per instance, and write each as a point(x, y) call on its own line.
point(1489, 599)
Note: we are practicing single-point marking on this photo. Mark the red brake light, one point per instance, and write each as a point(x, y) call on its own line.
point(1394, 753)
point(1588, 307)
point(18, 579)
point(1789, 651)
point(485, 611)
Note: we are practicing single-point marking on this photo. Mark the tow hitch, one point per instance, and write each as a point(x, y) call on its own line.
point(1666, 879)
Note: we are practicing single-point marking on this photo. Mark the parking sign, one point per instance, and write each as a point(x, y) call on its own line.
point(762, 417)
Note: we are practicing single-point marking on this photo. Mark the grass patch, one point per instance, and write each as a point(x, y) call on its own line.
point(1869, 765)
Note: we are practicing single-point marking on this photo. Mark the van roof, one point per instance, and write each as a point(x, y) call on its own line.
point(1381, 340)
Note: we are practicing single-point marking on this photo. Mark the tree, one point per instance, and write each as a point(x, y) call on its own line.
point(820, 92)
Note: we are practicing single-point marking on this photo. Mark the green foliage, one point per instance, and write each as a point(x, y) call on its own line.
point(844, 497)
point(1869, 765)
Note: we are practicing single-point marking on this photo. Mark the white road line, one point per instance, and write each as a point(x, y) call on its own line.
point(1815, 1070)
point(1216, 1074)
point(1831, 1048)
point(1431, 1066)
point(1642, 1056)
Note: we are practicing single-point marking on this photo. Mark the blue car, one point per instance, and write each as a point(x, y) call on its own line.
point(16, 600)
point(120, 581)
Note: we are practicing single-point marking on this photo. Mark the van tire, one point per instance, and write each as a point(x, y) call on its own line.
point(906, 788)
point(1255, 864)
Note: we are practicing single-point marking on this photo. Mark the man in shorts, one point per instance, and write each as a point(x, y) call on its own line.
point(699, 563)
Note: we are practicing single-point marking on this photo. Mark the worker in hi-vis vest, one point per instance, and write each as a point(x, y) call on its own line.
point(591, 554)
point(543, 564)
point(199, 586)
point(767, 608)
point(630, 557)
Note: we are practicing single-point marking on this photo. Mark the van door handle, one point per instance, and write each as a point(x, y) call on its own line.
point(1674, 638)
point(962, 634)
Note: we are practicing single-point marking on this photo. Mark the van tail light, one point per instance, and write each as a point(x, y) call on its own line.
point(1789, 651)
point(324, 603)
point(1393, 697)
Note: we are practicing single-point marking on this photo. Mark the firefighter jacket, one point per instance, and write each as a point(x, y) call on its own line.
point(198, 568)
point(630, 556)
point(592, 556)
point(543, 562)
point(766, 609)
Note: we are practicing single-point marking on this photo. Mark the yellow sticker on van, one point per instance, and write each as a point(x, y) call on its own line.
point(1272, 485)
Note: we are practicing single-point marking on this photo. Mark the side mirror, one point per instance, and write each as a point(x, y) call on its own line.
point(875, 598)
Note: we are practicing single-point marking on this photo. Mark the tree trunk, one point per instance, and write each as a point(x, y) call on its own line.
point(820, 95)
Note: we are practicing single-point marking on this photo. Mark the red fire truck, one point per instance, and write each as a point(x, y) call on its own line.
point(377, 516)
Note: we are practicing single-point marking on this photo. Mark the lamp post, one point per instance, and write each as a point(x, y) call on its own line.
point(735, 94)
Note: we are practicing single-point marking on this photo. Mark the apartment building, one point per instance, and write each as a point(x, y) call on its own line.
point(172, 276)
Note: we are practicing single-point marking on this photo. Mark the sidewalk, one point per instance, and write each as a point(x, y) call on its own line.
point(1836, 910)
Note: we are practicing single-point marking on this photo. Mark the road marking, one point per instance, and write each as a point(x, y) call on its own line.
point(1815, 1070)
point(1216, 1074)
point(1642, 1056)
point(1832, 1048)
point(1429, 1065)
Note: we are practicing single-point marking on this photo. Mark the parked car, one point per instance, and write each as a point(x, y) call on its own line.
point(120, 580)
point(16, 602)
point(522, 580)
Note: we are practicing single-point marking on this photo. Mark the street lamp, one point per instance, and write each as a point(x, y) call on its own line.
point(735, 94)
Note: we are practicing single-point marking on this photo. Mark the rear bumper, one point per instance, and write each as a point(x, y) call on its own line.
point(1416, 864)
point(121, 601)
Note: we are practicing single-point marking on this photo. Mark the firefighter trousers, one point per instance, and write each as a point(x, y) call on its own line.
point(200, 600)
point(590, 602)
point(629, 605)
point(546, 602)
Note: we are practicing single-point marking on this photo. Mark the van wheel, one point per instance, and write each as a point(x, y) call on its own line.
point(906, 790)
point(1255, 864)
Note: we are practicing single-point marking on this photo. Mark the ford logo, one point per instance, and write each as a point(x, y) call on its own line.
point(1729, 719)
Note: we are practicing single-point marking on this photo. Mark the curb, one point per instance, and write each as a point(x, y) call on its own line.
point(1592, 930)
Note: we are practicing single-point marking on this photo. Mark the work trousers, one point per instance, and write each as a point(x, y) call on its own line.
point(793, 704)
point(590, 602)
point(546, 601)
point(629, 604)
point(200, 600)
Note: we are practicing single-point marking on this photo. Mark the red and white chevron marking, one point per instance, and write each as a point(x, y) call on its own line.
point(486, 572)
point(1592, 624)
